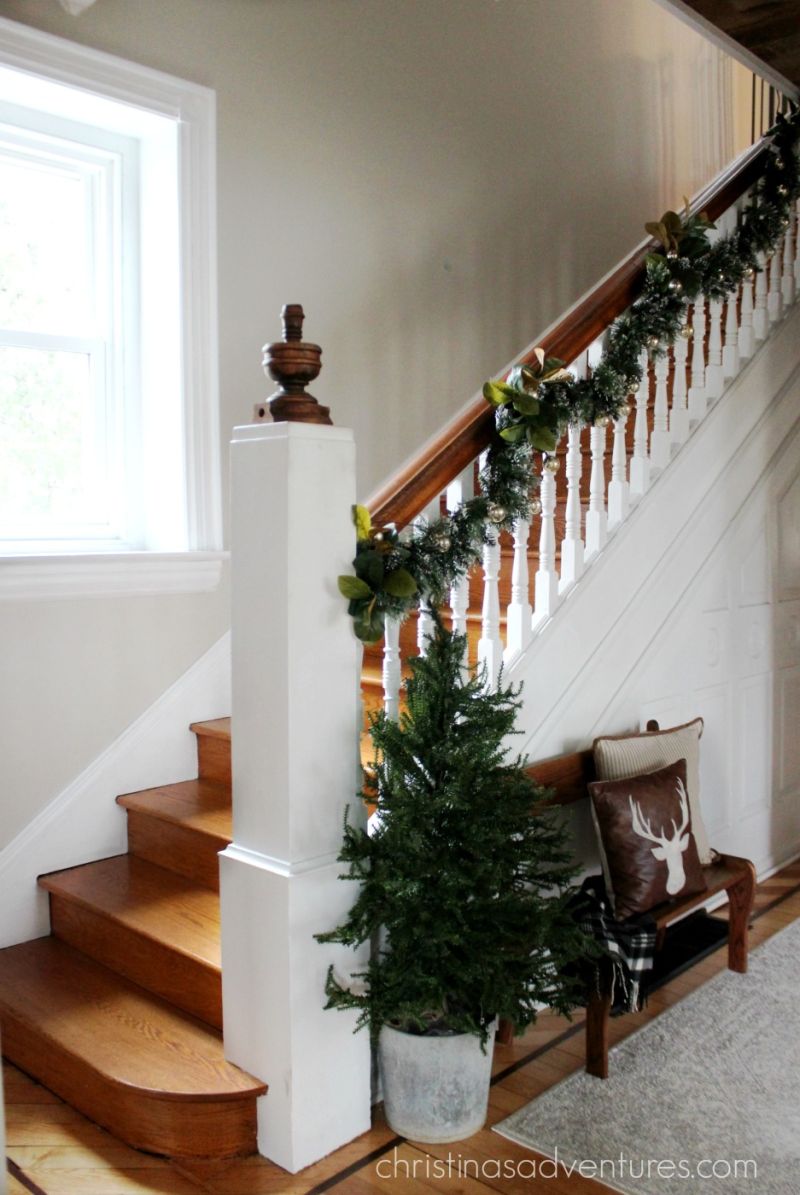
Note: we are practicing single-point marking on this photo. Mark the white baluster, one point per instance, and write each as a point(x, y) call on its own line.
point(760, 315)
point(660, 440)
point(424, 619)
point(618, 488)
point(697, 391)
point(774, 297)
point(787, 277)
point(490, 645)
point(460, 490)
point(596, 517)
point(520, 612)
point(640, 461)
point(546, 591)
point(392, 671)
point(679, 414)
point(730, 353)
point(715, 378)
point(572, 543)
point(797, 247)
point(747, 335)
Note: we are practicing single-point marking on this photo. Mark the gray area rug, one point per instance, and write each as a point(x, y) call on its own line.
point(712, 1082)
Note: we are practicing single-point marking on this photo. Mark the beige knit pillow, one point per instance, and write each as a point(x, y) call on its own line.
point(618, 757)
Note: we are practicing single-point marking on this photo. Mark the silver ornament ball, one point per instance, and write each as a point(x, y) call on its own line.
point(496, 513)
point(552, 464)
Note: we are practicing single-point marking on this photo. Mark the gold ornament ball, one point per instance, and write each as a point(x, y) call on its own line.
point(496, 513)
point(653, 342)
point(441, 541)
point(675, 285)
point(536, 507)
point(687, 332)
point(552, 464)
point(749, 273)
point(602, 421)
point(783, 190)
point(378, 537)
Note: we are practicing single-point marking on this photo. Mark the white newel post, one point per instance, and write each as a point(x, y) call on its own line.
point(295, 725)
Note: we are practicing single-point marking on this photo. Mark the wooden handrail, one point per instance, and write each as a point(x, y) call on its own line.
point(461, 440)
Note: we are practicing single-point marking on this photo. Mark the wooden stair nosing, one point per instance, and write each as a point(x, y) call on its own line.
point(181, 827)
point(151, 925)
point(98, 1040)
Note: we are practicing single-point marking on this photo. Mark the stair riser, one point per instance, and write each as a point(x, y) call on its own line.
point(214, 758)
point(215, 1128)
point(188, 852)
point(187, 983)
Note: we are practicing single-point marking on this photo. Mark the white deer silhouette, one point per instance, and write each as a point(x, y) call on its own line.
point(668, 849)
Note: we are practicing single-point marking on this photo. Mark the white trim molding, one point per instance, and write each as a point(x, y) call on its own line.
point(112, 574)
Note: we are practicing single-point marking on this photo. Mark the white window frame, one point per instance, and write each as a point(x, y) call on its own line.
point(189, 426)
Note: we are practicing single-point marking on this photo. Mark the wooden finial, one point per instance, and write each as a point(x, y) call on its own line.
point(293, 364)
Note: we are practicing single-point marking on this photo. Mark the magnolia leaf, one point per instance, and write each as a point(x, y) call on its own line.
point(513, 433)
point(370, 567)
point(542, 438)
point(400, 583)
point(353, 588)
point(672, 222)
point(526, 404)
point(558, 375)
point(363, 522)
point(657, 230)
point(539, 355)
point(368, 625)
point(498, 393)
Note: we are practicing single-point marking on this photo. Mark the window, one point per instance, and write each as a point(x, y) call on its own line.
point(108, 397)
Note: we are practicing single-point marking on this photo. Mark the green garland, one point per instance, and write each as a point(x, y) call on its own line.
point(537, 402)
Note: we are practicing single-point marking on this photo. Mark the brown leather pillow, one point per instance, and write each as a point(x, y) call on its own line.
point(645, 830)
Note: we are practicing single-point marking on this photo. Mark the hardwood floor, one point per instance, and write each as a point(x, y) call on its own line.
point(53, 1150)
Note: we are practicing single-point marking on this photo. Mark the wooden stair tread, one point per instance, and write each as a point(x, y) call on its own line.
point(149, 901)
point(202, 805)
point(215, 728)
point(130, 1037)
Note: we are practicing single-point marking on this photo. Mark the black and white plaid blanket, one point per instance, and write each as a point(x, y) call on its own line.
point(626, 947)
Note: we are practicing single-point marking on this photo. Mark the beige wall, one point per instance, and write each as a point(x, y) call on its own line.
point(435, 180)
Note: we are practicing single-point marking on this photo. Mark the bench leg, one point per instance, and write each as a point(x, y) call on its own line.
point(597, 1011)
point(740, 899)
point(505, 1032)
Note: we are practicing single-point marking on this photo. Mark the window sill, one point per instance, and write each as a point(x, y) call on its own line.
point(112, 574)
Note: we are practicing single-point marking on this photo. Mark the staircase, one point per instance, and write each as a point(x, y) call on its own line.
point(119, 1010)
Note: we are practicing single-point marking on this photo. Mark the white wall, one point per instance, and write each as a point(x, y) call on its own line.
point(434, 180)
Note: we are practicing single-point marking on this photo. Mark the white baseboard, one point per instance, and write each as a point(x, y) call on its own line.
point(84, 823)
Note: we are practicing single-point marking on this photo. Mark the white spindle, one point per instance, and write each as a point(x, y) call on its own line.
point(797, 247)
point(679, 414)
point(392, 673)
point(774, 296)
point(520, 612)
point(572, 543)
point(618, 489)
point(546, 591)
point(760, 315)
point(697, 391)
point(490, 645)
point(460, 490)
point(640, 461)
point(596, 517)
point(747, 335)
point(715, 378)
point(424, 620)
point(787, 277)
point(660, 440)
point(730, 353)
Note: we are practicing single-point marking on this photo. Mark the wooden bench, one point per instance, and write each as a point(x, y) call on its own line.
point(568, 776)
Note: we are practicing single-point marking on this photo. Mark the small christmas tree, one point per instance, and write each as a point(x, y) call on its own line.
point(463, 879)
